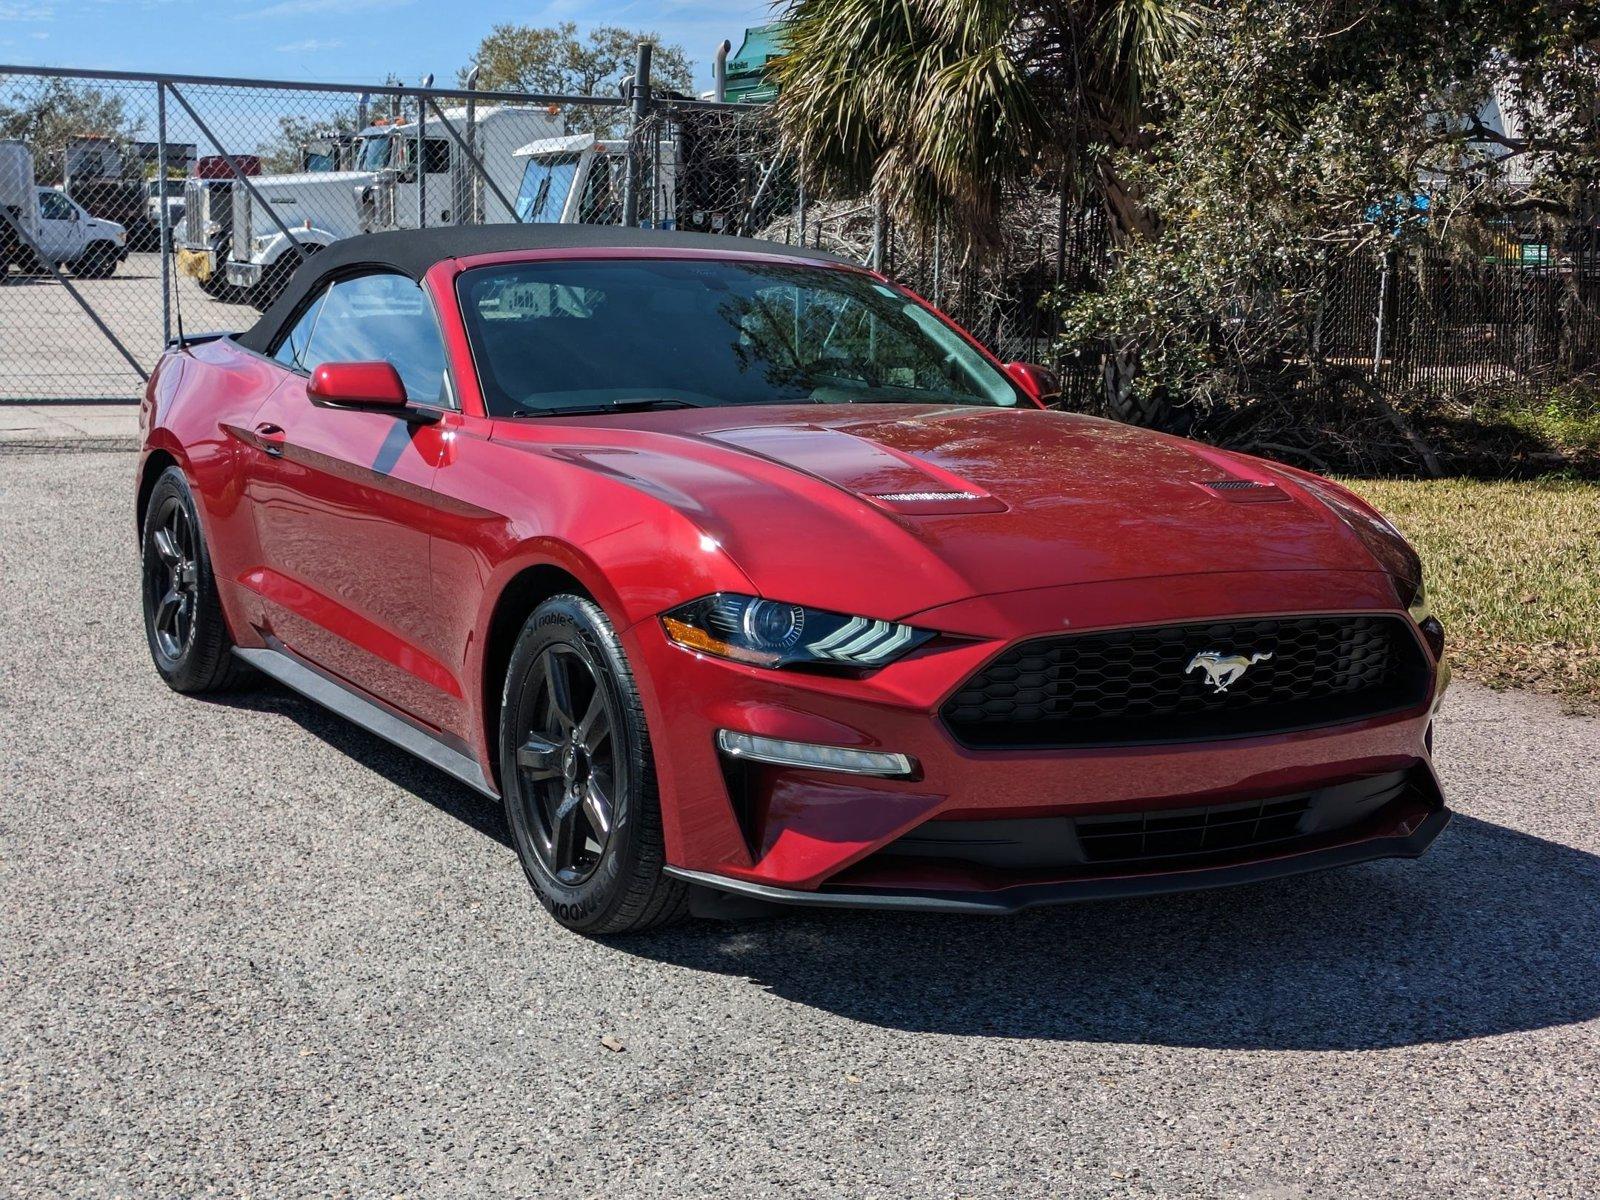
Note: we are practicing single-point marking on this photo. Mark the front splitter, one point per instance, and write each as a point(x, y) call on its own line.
point(1024, 896)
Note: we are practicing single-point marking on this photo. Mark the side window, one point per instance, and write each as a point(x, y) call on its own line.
point(53, 206)
point(435, 155)
point(380, 317)
point(291, 351)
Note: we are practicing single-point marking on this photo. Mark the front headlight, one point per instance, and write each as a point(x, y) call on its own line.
point(769, 633)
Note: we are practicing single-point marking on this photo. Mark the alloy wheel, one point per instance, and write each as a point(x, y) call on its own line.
point(172, 578)
point(567, 764)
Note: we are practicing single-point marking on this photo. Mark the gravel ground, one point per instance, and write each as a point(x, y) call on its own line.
point(249, 950)
point(51, 350)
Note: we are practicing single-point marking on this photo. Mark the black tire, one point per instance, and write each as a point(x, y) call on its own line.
point(99, 261)
point(183, 621)
point(579, 778)
point(276, 277)
point(218, 288)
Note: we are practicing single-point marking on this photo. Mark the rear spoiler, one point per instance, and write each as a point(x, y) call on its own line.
point(184, 340)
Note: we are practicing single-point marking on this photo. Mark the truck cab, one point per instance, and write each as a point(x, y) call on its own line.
point(579, 180)
point(68, 234)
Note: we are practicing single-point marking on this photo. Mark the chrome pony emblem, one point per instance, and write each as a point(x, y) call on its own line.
point(1224, 669)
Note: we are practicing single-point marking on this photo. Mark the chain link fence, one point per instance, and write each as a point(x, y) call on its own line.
point(132, 202)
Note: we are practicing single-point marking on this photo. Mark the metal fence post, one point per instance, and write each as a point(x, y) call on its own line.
point(1377, 341)
point(800, 202)
point(641, 111)
point(471, 198)
point(422, 160)
point(166, 215)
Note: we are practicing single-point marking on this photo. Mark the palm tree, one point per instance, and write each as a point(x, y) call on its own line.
point(942, 104)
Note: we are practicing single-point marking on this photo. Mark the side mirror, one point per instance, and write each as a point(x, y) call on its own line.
point(1043, 384)
point(374, 385)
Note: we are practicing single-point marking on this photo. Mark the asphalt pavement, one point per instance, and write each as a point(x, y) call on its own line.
point(248, 950)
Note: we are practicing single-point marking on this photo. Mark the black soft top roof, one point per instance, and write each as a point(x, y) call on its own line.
point(413, 251)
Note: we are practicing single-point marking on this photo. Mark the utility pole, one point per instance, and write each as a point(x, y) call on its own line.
point(641, 110)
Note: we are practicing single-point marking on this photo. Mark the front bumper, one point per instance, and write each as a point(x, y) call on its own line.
point(243, 274)
point(822, 838)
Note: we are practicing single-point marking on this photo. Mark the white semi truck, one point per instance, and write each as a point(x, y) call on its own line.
point(397, 168)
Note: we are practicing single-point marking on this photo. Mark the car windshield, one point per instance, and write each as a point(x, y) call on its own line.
point(549, 337)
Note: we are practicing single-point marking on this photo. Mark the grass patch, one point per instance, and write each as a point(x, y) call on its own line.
point(1513, 568)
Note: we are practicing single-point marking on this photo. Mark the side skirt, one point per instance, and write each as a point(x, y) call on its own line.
point(358, 710)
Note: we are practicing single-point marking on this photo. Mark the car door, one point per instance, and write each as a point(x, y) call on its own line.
point(61, 233)
point(342, 500)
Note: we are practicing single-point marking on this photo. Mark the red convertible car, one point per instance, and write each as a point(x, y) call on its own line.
point(733, 569)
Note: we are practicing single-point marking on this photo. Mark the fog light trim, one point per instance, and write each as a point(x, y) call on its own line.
point(809, 756)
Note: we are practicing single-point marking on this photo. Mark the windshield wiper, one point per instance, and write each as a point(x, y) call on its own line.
point(642, 404)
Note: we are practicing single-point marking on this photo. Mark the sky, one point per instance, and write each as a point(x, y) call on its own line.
point(333, 41)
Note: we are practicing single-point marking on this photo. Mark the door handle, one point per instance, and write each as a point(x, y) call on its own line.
point(270, 438)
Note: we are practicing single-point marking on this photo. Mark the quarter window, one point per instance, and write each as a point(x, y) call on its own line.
point(292, 351)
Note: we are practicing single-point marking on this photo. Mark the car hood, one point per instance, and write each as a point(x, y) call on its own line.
point(892, 509)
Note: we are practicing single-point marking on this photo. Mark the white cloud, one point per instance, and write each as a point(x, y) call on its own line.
point(20, 10)
point(310, 46)
point(305, 8)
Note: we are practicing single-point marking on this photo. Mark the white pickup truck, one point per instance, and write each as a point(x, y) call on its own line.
point(398, 168)
point(44, 225)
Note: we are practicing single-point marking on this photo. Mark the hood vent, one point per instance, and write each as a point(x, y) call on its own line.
point(1243, 491)
point(934, 502)
point(925, 497)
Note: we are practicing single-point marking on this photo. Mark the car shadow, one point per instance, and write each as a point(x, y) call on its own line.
point(1494, 931)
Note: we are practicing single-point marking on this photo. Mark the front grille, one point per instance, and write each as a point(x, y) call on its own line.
point(243, 225)
point(1197, 831)
point(194, 214)
point(1142, 685)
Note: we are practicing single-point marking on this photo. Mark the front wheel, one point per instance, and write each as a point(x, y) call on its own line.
point(99, 261)
point(579, 778)
point(183, 619)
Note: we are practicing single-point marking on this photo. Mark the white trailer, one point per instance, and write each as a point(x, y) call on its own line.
point(398, 168)
point(19, 196)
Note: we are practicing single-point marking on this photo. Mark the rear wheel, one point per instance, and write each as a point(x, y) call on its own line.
point(579, 778)
point(183, 620)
